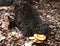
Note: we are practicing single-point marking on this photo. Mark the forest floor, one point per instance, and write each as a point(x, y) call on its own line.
point(50, 13)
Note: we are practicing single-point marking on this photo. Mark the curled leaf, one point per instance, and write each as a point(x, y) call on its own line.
point(32, 38)
point(40, 37)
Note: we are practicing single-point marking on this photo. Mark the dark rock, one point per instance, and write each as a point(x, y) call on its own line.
point(27, 20)
point(6, 2)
